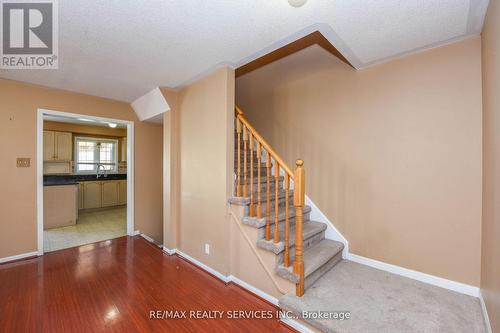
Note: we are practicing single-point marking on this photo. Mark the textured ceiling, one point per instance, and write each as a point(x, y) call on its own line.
point(122, 49)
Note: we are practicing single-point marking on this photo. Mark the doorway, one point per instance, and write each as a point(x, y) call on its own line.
point(85, 179)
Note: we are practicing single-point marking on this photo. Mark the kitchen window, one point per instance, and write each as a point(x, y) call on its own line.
point(92, 152)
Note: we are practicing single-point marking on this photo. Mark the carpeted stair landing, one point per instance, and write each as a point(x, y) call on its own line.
point(381, 302)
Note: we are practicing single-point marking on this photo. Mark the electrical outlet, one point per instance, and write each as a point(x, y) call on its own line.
point(207, 249)
point(23, 162)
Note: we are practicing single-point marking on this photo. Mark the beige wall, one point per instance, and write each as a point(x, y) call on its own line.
point(392, 153)
point(490, 277)
point(201, 127)
point(18, 109)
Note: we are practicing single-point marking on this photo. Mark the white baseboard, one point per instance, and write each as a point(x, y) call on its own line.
point(419, 276)
point(487, 322)
point(169, 251)
point(19, 256)
point(137, 232)
point(231, 278)
point(149, 239)
point(252, 289)
point(198, 263)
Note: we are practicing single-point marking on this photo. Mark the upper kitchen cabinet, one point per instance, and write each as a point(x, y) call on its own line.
point(123, 147)
point(63, 146)
point(57, 146)
point(48, 146)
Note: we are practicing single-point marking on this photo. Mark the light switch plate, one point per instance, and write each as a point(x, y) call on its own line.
point(23, 162)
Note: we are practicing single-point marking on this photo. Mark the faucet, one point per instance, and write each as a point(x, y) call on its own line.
point(99, 168)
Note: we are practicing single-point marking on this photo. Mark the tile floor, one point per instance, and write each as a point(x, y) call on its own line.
point(91, 227)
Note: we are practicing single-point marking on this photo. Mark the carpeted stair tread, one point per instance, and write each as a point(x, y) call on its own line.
point(261, 223)
point(314, 258)
point(309, 229)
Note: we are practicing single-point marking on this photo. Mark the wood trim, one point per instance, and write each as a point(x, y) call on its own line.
point(284, 51)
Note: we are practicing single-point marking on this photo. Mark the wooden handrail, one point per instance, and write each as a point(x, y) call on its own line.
point(249, 133)
point(241, 116)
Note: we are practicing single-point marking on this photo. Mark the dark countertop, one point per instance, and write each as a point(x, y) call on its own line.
point(55, 180)
point(59, 183)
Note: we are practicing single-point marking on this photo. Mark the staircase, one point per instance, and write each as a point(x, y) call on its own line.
point(274, 197)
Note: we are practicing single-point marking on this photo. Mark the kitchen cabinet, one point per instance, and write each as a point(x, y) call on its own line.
point(63, 146)
point(57, 146)
point(100, 194)
point(109, 193)
point(123, 147)
point(92, 195)
point(80, 196)
point(48, 146)
point(122, 192)
point(59, 206)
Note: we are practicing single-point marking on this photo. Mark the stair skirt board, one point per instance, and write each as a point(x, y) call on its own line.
point(485, 314)
point(233, 279)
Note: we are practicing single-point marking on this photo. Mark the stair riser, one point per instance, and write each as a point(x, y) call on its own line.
point(281, 205)
point(263, 195)
point(272, 195)
point(263, 188)
point(255, 165)
point(282, 216)
point(263, 173)
point(309, 281)
point(263, 180)
point(261, 234)
point(242, 155)
point(306, 244)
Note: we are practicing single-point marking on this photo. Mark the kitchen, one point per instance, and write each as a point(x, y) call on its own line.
point(84, 181)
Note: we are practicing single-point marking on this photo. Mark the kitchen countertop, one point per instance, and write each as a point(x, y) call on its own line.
point(57, 180)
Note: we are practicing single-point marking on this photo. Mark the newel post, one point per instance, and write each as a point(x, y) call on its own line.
point(298, 201)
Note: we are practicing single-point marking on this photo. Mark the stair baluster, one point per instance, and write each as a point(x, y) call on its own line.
point(252, 208)
point(245, 168)
point(259, 190)
point(268, 194)
point(238, 171)
point(286, 260)
point(276, 200)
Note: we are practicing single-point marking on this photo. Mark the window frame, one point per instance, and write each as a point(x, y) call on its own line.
point(98, 141)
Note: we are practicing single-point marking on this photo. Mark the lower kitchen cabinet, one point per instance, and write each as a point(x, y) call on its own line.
point(92, 195)
point(99, 194)
point(109, 193)
point(80, 196)
point(122, 192)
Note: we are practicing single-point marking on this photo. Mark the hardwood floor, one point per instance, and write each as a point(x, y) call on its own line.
point(113, 285)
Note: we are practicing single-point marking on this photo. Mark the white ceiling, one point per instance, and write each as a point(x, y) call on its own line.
point(122, 49)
